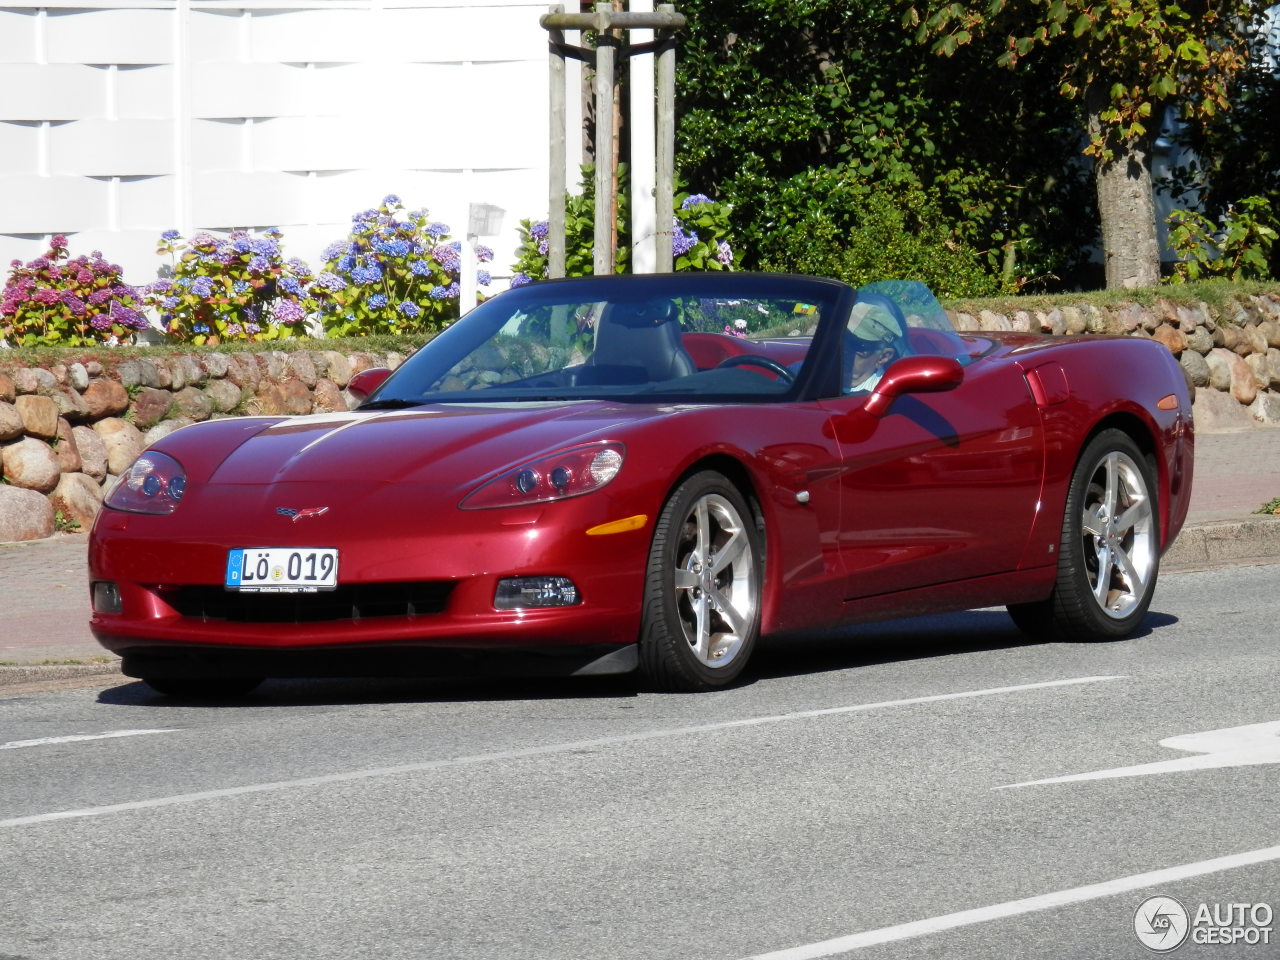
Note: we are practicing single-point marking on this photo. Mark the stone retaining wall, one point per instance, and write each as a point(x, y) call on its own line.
point(67, 429)
point(1234, 361)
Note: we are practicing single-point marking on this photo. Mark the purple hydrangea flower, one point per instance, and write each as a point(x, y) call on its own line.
point(447, 257)
point(681, 242)
point(287, 311)
point(540, 229)
point(300, 269)
point(724, 252)
point(483, 254)
point(259, 264)
point(202, 287)
point(330, 281)
point(694, 199)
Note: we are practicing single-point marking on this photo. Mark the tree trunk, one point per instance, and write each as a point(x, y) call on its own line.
point(1126, 207)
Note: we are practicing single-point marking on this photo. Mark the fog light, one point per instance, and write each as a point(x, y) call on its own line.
point(517, 593)
point(106, 597)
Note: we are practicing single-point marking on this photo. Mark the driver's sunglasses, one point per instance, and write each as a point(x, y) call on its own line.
point(865, 348)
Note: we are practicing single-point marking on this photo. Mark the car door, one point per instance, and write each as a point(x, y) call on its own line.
point(942, 488)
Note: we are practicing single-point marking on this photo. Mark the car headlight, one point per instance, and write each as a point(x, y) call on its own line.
point(154, 484)
point(570, 473)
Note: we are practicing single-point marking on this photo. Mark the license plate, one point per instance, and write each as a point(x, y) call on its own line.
point(282, 569)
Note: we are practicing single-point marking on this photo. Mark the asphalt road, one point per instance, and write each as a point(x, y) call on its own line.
point(877, 795)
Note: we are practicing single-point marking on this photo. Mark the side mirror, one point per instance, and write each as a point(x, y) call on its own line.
point(364, 383)
point(913, 375)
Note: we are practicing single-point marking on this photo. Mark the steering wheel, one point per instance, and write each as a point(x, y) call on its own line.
point(756, 360)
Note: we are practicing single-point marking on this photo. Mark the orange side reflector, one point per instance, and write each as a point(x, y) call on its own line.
point(619, 526)
point(1168, 403)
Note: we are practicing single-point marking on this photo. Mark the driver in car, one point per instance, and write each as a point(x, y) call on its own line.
point(873, 339)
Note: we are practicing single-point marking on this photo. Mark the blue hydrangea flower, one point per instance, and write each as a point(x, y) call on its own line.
point(170, 235)
point(334, 250)
point(330, 281)
point(420, 268)
point(391, 200)
point(265, 247)
point(438, 293)
point(483, 278)
point(370, 273)
point(409, 308)
point(240, 286)
point(378, 301)
point(300, 269)
point(259, 264)
point(201, 328)
point(520, 279)
point(437, 230)
point(202, 287)
point(694, 200)
point(290, 285)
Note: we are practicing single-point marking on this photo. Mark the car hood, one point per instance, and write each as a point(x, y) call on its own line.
point(438, 445)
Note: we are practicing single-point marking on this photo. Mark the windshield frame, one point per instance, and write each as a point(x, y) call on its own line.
point(832, 300)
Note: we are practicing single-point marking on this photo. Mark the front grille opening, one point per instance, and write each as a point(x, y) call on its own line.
point(351, 603)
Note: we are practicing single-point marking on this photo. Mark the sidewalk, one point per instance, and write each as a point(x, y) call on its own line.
point(44, 594)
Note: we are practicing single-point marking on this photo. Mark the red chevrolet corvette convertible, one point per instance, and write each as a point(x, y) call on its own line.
point(649, 473)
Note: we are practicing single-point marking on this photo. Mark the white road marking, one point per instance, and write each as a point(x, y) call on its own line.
point(77, 738)
point(1246, 746)
point(544, 750)
point(1014, 908)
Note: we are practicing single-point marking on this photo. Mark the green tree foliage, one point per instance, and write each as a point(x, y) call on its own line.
point(812, 116)
point(1123, 60)
point(1236, 155)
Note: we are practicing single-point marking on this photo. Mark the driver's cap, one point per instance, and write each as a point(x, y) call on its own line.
point(872, 323)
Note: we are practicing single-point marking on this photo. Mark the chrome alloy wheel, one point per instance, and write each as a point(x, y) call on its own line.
point(715, 583)
point(1118, 535)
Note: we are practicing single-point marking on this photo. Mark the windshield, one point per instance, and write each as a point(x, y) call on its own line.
point(705, 336)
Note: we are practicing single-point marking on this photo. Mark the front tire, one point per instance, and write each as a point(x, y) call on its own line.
point(702, 588)
point(1109, 555)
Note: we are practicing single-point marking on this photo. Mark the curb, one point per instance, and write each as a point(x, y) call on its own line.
point(1256, 538)
point(11, 674)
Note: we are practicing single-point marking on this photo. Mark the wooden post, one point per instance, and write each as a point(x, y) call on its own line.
point(602, 249)
point(556, 184)
point(665, 147)
point(603, 21)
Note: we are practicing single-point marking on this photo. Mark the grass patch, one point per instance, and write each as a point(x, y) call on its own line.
point(1220, 295)
point(114, 356)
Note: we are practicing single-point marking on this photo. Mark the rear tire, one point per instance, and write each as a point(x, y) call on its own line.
point(1109, 555)
point(702, 588)
point(203, 688)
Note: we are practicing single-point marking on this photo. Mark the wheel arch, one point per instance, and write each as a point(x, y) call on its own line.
point(1144, 434)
